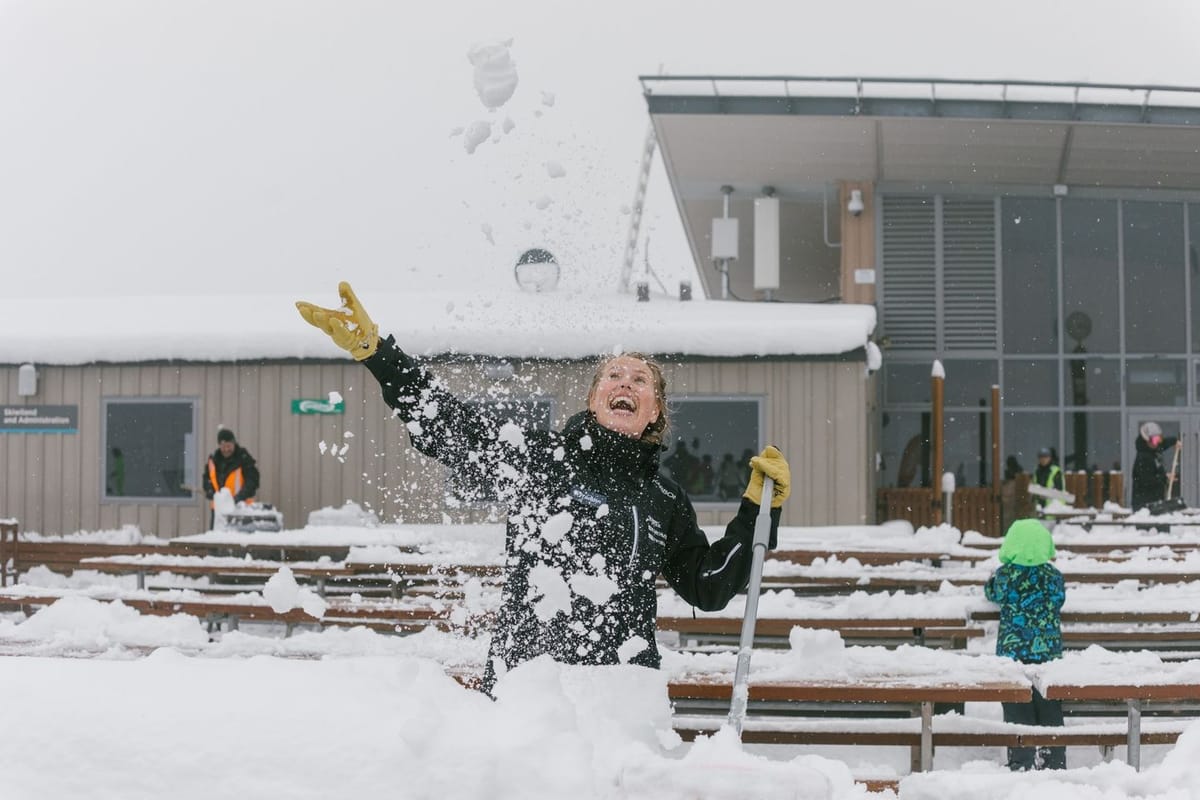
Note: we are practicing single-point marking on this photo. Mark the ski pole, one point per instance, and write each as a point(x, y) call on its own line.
point(741, 677)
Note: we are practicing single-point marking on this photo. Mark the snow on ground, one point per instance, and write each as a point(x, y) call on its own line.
point(116, 704)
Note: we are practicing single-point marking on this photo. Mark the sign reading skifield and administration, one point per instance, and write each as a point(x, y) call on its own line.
point(39, 419)
point(318, 407)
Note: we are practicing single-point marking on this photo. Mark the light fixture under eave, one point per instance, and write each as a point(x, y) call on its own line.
point(26, 380)
point(537, 271)
point(855, 204)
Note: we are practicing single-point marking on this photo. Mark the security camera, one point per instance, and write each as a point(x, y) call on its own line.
point(855, 204)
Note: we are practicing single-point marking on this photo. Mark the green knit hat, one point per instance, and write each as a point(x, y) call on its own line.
point(1027, 543)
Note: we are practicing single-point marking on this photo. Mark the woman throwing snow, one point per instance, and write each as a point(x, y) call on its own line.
point(591, 522)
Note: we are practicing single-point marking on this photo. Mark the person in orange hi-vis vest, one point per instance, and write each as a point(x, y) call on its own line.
point(230, 467)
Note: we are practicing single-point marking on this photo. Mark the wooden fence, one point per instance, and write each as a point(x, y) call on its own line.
point(978, 509)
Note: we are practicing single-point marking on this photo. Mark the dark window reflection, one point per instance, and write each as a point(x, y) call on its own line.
point(1090, 275)
point(1029, 255)
point(1026, 432)
point(1091, 381)
point(968, 382)
point(1155, 382)
point(907, 383)
point(1093, 440)
point(1193, 261)
point(1030, 383)
point(1155, 303)
point(712, 442)
point(904, 448)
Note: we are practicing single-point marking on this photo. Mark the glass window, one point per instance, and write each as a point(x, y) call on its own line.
point(968, 382)
point(1026, 432)
point(1155, 304)
point(1093, 440)
point(1029, 253)
point(149, 449)
point(1194, 269)
point(1089, 229)
point(712, 441)
point(967, 450)
point(530, 414)
point(1156, 382)
point(1030, 383)
point(904, 449)
point(907, 383)
point(1090, 381)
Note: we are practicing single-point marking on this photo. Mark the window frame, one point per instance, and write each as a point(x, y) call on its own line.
point(195, 457)
point(760, 421)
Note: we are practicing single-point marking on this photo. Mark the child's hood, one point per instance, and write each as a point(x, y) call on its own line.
point(1027, 543)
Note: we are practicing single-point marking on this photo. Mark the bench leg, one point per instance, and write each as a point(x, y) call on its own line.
point(1133, 743)
point(926, 736)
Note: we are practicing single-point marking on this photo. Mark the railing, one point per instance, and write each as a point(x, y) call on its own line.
point(978, 509)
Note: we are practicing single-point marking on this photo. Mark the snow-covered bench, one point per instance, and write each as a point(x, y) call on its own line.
point(951, 632)
point(391, 616)
point(19, 555)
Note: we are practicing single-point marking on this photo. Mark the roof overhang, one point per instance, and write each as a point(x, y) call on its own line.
point(933, 133)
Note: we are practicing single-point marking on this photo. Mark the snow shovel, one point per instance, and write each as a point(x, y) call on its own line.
point(741, 677)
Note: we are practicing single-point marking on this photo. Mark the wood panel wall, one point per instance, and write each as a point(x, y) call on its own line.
point(815, 411)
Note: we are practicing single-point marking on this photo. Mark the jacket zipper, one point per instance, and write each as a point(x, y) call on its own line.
point(636, 532)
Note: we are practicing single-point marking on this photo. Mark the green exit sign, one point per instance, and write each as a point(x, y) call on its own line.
point(318, 407)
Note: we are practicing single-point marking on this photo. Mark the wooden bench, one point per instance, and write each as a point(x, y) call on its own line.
point(65, 556)
point(398, 617)
point(774, 708)
point(951, 632)
point(143, 564)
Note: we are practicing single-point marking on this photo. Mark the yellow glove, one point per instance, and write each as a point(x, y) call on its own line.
point(769, 463)
point(349, 326)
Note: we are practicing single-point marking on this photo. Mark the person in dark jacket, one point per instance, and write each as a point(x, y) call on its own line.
point(1030, 592)
point(1149, 477)
point(591, 521)
point(230, 467)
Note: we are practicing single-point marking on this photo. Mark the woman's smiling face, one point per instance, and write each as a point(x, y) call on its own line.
point(624, 397)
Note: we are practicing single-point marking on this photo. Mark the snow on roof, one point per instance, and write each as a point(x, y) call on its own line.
point(510, 324)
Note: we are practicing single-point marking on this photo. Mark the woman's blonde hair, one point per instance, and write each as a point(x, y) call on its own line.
point(656, 432)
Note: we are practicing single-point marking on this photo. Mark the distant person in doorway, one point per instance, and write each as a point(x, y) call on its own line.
point(1149, 476)
point(230, 467)
point(116, 473)
point(1030, 592)
point(1047, 475)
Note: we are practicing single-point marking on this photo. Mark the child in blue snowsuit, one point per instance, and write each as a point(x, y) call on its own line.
point(1030, 593)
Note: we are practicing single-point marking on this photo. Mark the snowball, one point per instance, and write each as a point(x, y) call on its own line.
point(597, 588)
point(555, 169)
point(557, 526)
point(511, 434)
point(335, 398)
point(585, 442)
point(630, 648)
point(555, 595)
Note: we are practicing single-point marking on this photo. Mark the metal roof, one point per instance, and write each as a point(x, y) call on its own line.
point(800, 132)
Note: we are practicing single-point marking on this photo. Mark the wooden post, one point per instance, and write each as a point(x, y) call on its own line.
point(996, 474)
point(935, 431)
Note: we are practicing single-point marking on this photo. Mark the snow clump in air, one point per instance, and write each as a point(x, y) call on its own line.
point(555, 169)
point(557, 526)
point(546, 581)
point(477, 133)
point(495, 72)
point(283, 594)
point(511, 434)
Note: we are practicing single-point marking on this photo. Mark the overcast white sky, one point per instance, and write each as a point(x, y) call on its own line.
point(281, 145)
